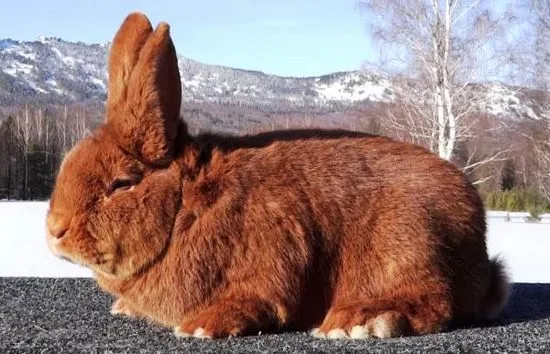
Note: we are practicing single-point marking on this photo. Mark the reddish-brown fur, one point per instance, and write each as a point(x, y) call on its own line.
point(221, 236)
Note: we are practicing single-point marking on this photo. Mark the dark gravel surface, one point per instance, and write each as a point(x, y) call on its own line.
point(72, 315)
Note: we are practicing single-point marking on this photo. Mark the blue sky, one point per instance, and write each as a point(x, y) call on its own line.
point(284, 37)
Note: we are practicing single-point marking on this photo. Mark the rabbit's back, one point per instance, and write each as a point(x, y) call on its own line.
point(355, 174)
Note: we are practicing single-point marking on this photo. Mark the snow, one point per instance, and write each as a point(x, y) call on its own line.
point(66, 59)
point(35, 87)
point(54, 86)
point(524, 247)
point(195, 82)
point(354, 88)
point(11, 71)
point(21, 51)
point(16, 67)
point(23, 251)
point(503, 101)
point(28, 55)
point(98, 82)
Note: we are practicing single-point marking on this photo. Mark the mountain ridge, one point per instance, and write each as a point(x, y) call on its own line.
point(51, 69)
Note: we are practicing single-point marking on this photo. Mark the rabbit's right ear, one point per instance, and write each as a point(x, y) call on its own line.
point(127, 44)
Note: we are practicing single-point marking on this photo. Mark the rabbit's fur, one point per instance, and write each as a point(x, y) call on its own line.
point(357, 235)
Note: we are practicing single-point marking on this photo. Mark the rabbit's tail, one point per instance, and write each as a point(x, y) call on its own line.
point(497, 293)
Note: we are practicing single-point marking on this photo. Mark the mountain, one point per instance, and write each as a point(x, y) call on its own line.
point(53, 70)
point(64, 71)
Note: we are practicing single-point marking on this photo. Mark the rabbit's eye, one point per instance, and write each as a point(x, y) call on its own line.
point(119, 185)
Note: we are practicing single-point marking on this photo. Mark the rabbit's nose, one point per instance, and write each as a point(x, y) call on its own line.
point(59, 233)
point(55, 228)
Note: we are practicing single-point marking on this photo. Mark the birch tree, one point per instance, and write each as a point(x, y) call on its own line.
point(541, 11)
point(532, 69)
point(25, 132)
point(62, 130)
point(78, 126)
point(437, 47)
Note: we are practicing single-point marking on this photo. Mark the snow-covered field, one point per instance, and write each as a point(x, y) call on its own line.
point(23, 251)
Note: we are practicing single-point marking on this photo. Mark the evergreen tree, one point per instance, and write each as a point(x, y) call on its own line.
point(508, 178)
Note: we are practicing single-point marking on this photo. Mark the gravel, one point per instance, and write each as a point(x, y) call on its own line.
point(43, 315)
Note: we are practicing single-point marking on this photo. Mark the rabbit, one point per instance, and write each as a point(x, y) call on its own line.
point(341, 234)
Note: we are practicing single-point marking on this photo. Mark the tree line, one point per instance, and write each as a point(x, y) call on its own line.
point(33, 141)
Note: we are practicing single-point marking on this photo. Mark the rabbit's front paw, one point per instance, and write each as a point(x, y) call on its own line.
point(121, 308)
point(205, 327)
point(197, 333)
point(232, 318)
point(212, 324)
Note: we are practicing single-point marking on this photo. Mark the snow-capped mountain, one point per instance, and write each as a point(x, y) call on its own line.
point(51, 69)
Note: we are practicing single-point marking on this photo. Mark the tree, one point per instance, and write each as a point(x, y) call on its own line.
point(532, 68)
point(541, 11)
point(508, 176)
point(24, 135)
point(438, 49)
point(8, 156)
point(32, 143)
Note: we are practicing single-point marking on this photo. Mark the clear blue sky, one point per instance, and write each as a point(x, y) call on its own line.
point(285, 37)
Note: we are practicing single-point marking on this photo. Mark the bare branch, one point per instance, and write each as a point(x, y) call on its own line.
point(493, 158)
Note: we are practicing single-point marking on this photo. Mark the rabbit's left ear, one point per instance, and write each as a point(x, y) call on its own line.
point(123, 57)
point(148, 122)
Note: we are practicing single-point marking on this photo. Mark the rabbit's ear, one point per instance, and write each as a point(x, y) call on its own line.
point(127, 44)
point(147, 124)
point(154, 96)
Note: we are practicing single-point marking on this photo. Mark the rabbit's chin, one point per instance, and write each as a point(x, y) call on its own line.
point(124, 270)
point(55, 247)
point(130, 263)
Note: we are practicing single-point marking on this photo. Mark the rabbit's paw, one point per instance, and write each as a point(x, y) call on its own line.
point(209, 328)
point(335, 333)
point(387, 324)
point(197, 333)
point(388, 318)
point(120, 308)
point(228, 319)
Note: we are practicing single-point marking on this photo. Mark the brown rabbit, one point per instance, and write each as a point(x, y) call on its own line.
point(351, 234)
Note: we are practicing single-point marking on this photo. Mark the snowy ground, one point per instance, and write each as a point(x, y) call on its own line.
point(23, 252)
